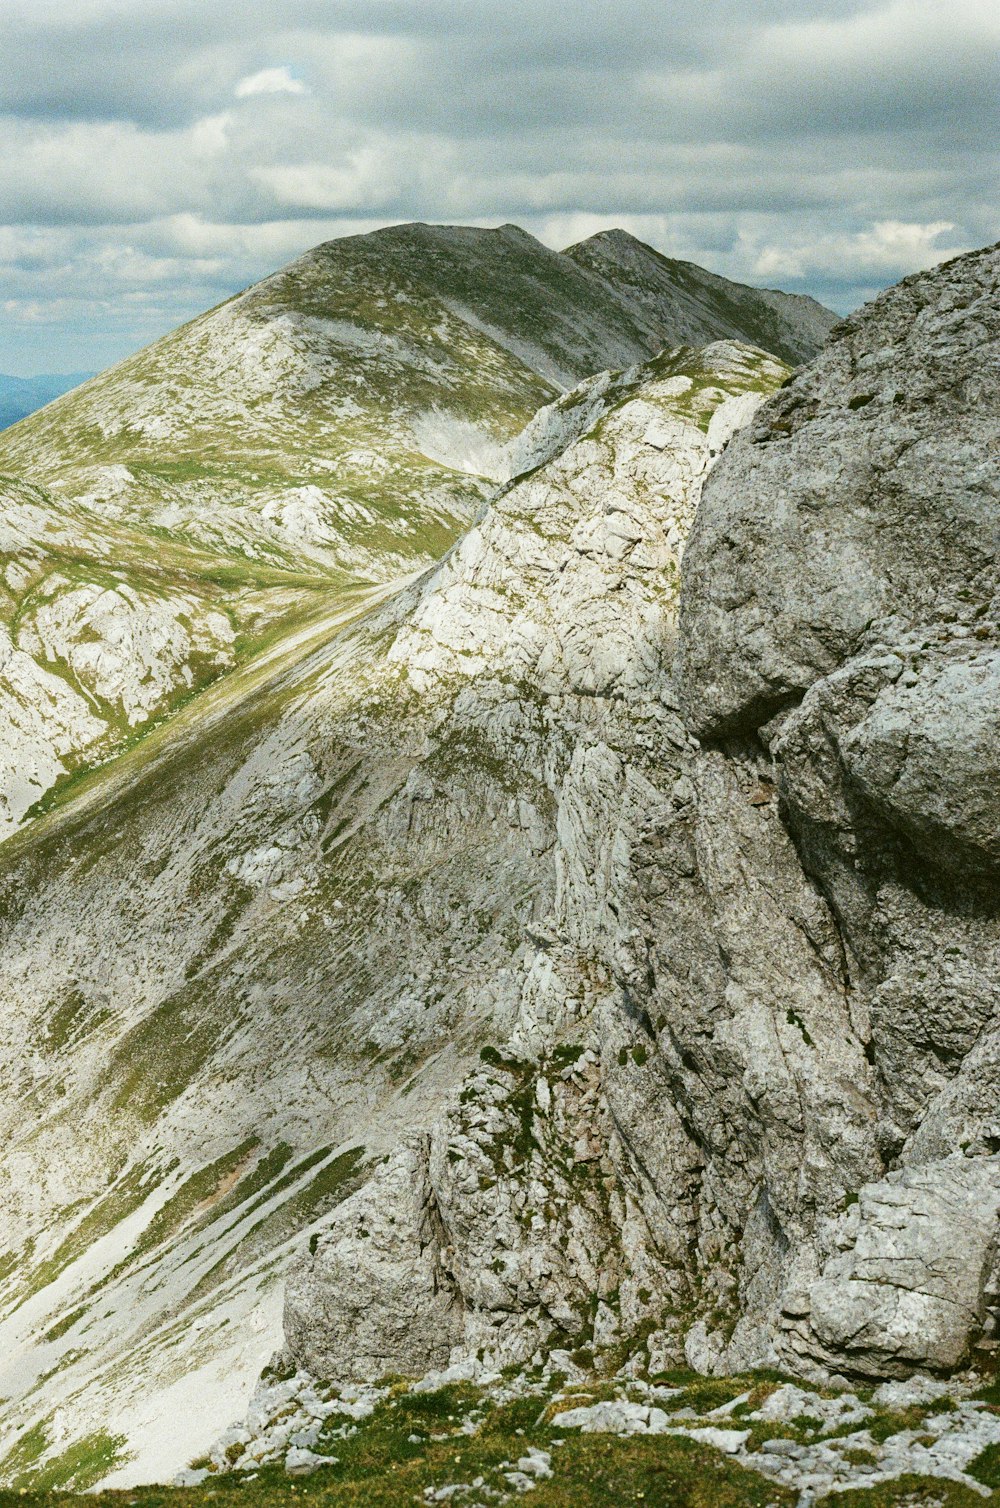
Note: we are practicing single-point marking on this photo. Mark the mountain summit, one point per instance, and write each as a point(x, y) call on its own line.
point(387, 370)
point(690, 305)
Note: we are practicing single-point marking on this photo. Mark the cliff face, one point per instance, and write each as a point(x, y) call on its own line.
point(756, 1119)
point(840, 610)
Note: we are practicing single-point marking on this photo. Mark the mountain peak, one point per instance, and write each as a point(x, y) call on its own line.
point(700, 302)
point(614, 236)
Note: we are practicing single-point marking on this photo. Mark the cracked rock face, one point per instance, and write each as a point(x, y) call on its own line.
point(790, 929)
point(840, 610)
point(381, 1266)
point(910, 1287)
point(867, 490)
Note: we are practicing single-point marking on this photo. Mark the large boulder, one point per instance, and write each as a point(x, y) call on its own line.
point(370, 1296)
point(868, 488)
point(917, 1275)
point(840, 611)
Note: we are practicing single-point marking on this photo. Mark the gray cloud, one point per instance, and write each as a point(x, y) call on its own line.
point(155, 158)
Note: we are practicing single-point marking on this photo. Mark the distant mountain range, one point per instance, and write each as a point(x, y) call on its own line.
point(21, 396)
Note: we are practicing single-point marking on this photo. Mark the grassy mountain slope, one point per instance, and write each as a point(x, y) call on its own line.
point(243, 960)
point(332, 428)
point(343, 411)
point(105, 629)
point(323, 432)
point(701, 306)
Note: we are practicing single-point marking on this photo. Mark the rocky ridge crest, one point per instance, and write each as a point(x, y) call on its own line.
point(787, 1080)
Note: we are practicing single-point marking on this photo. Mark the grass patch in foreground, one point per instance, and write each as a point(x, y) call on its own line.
point(589, 1471)
point(461, 1443)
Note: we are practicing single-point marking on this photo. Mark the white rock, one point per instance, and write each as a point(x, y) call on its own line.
point(303, 1463)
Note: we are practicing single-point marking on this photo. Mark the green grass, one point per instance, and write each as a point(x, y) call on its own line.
point(986, 1467)
point(381, 1467)
point(84, 1462)
point(415, 1442)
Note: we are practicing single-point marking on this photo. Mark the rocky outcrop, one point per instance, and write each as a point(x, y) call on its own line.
point(777, 868)
point(840, 610)
point(373, 1299)
point(564, 1178)
point(918, 1268)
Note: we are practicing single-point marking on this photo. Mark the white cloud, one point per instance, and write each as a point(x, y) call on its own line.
point(269, 81)
point(363, 179)
point(890, 249)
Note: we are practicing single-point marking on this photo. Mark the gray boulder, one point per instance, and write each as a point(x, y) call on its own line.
point(867, 488)
point(913, 1285)
point(371, 1297)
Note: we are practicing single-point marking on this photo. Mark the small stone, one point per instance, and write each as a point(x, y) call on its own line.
point(302, 1463)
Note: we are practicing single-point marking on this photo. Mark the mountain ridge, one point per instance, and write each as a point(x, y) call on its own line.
point(791, 325)
point(332, 428)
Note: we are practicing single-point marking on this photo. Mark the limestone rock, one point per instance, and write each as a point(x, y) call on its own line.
point(371, 1298)
point(909, 1291)
point(300, 1462)
point(866, 489)
point(612, 1418)
point(839, 607)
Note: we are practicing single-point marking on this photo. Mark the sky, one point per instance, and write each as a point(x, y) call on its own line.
point(158, 155)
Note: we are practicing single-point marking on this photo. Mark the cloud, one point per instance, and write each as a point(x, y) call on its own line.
point(269, 81)
point(891, 247)
point(154, 159)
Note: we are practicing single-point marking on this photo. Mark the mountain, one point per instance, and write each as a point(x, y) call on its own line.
point(329, 431)
point(347, 409)
point(694, 306)
point(20, 396)
point(246, 962)
point(581, 963)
